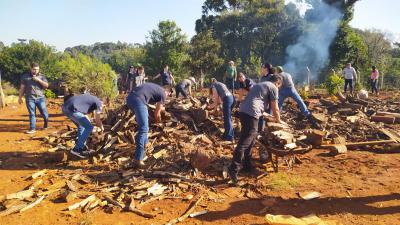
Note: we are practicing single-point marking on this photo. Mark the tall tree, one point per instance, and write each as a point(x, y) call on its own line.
point(1, 46)
point(122, 59)
point(167, 45)
point(204, 58)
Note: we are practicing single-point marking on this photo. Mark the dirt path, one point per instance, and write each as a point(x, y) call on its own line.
point(358, 188)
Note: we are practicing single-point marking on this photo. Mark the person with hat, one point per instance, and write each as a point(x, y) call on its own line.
point(185, 87)
point(289, 90)
point(221, 94)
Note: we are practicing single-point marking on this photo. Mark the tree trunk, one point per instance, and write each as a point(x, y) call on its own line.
point(2, 98)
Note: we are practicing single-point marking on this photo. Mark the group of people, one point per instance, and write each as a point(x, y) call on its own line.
point(256, 101)
point(350, 79)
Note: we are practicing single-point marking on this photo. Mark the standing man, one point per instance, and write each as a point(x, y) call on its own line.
point(230, 76)
point(137, 101)
point(244, 85)
point(349, 74)
point(221, 94)
point(257, 101)
point(76, 108)
point(289, 90)
point(185, 84)
point(167, 80)
point(32, 86)
point(131, 79)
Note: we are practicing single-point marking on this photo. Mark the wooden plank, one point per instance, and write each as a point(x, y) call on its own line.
point(390, 134)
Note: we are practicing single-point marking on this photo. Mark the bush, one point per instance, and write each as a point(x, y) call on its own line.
point(49, 93)
point(9, 89)
point(333, 83)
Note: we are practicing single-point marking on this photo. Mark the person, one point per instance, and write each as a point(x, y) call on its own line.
point(220, 93)
point(266, 72)
point(244, 85)
point(289, 90)
point(140, 76)
point(185, 84)
point(167, 80)
point(130, 79)
point(32, 87)
point(230, 76)
point(137, 101)
point(374, 80)
point(76, 108)
point(257, 101)
point(350, 75)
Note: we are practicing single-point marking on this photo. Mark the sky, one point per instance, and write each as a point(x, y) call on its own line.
point(67, 23)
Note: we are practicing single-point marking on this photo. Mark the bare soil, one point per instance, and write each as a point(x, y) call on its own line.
point(360, 187)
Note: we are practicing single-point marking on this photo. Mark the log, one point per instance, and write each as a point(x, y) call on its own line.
point(13, 209)
point(112, 201)
point(20, 195)
point(38, 174)
point(395, 115)
point(139, 212)
point(363, 143)
point(353, 106)
point(82, 203)
point(33, 204)
point(391, 135)
point(383, 119)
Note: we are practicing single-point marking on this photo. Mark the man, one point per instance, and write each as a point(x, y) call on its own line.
point(349, 74)
point(185, 84)
point(257, 101)
point(220, 93)
point(32, 86)
point(77, 108)
point(244, 85)
point(131, 79)
point(289, 90)
point(167, 80)
point(137, 101)
point(230, 76)
point(140, 76)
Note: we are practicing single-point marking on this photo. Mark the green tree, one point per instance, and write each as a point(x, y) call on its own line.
point(122, 59)
point(167, 45)
point(1, 46)
point(16, 59)
point(88, 72)
point(204, 58)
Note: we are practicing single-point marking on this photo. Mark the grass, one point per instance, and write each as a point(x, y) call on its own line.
point(284, 181)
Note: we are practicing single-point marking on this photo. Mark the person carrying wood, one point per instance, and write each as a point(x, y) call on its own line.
point(260, 97)
point(137, 101)
point(221, 94)
point(32, 86)
point(185, 84)
point(76, 108)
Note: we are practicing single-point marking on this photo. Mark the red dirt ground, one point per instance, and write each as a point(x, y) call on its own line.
point(358, 188)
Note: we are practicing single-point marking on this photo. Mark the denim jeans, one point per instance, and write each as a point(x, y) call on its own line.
point(181, 90)
point(350, 83)
point(227, 105)
point(291, 92)
point(84, 126)
point(230, 83)
point(374, 86)
point(142, 118)
point(248, 135)
point(31, 104)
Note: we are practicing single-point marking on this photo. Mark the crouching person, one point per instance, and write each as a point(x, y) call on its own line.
point(221, 94)
point(76, 108)
point(185, 87)
point(257, 101)
point(137, 101)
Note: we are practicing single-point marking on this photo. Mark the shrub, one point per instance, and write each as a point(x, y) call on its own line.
point(333, 83)
point(49, 93)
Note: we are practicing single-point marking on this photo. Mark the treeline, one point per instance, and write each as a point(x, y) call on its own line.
point(247, 32)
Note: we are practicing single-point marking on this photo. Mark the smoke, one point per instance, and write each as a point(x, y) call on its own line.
point(312, 47)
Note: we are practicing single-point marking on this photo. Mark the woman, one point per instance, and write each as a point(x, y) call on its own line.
point(374, 80)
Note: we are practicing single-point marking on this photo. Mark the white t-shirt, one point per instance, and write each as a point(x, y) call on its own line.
point(349, 73)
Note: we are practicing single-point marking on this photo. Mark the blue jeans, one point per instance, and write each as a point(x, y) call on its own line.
point(181, 90)
point(291, 92)
point(31, 104)
point(374, 86)
point(230, 83)
point(84, 126)
point(350, 83)
point(142, 118)
point(227, 105)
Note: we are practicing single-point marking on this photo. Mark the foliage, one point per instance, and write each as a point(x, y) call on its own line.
point(49, 93)
point(204, 58)
point(121, 60)
point(167, 45)
point(101, 51)
point(16, 59)
point(87, 72)
point(304, 94)
point(333, 83)
point(1, 46)
point(8, 88)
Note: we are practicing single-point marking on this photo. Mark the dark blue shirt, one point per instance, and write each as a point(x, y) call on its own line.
point(149, 93)
point(221, 88)
point(33, 89)
point(247, 84)
point(85, 103)
point(166, 78)
point(265, 78)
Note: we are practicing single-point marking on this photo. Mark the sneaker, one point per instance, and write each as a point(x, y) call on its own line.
point(31, 131)
point(233, 176)
point(78, 153)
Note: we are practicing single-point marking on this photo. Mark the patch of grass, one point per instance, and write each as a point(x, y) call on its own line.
point(284, 181)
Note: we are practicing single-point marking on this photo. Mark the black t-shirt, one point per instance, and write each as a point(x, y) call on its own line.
point(85, 103)
point(150, 93)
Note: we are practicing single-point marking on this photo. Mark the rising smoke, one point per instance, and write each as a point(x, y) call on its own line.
point(312, 47)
